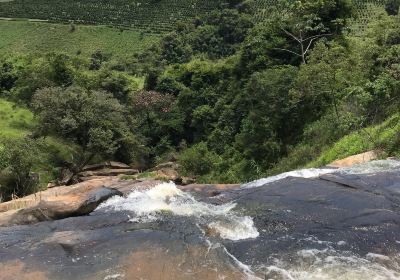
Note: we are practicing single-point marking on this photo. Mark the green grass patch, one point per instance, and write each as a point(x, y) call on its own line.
point(152, 175)
point(127, 177)
point(15, 122)
point(384, 137)
point(147, 175)
point(38, 37)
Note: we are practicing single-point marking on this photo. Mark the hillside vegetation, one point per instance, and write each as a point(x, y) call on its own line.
point(227, 97)
point(384, 137)
point(42, 157)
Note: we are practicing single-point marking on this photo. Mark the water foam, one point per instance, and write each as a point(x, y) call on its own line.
point(150, 205)
point(330, 264)
point(376, 166)
point(237, 229)
point(302, 173)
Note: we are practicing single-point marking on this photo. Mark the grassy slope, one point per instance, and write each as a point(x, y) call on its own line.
point(31, 37)
point(14, 122)
point(385, 137)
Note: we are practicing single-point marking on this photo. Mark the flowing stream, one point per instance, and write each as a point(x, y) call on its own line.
point(319, 259)
point(166, 199)
point(311, 224)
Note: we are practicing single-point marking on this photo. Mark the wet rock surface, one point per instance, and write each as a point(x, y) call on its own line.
point(355, 213)
point(338, 226)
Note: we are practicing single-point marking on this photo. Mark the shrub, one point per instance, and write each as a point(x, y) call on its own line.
point(198, 160)
point(17, 158)
point(93, 120)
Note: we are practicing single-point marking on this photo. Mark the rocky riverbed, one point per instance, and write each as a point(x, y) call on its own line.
point(309, 224)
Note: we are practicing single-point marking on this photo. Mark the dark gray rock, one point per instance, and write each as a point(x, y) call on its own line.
point(342, 215)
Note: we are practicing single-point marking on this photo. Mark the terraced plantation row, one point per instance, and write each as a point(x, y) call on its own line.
point(367, 10)
point(155, 16)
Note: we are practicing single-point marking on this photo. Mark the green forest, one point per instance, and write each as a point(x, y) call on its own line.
point(232, 94)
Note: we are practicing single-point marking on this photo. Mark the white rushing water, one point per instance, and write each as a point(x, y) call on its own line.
point(372, 167)
point(302, 173)
point(149, 205)
point(364, 168)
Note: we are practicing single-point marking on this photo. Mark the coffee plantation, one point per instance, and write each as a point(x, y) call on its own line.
point(154, 16)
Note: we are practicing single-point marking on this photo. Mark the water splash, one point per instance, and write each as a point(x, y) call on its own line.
point(235, 229)
point(150, 205)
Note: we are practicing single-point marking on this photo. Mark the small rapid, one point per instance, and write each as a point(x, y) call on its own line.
point(166, 199)
point(302, 173)
point(340, 226)
point(373, 167)
point(264, 231)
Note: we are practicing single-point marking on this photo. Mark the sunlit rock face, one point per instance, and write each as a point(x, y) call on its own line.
point(329, 224)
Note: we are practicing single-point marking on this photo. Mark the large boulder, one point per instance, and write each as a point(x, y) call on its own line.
point(356, 159)
point(166, 165)
point(66, 201)
point(59, 207)
point(106, 169)
point(94, 171)
point(81, 199)
point(106, 164)
point(56, 192)
point(57, 203)
point(168, 171)
point(109, 172)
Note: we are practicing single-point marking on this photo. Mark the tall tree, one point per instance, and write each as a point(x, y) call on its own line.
point(306, 21)
point(94, 120)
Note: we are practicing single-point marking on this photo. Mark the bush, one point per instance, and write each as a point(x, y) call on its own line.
point(198, 160)
point(93, 120)
point(17, 159)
